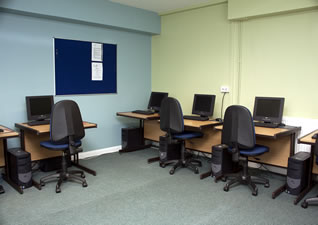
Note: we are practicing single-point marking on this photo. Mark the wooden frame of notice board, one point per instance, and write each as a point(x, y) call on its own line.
point(84, 67)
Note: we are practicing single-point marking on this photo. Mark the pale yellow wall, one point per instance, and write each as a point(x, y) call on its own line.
point(239, 9)
point(199, 50)
point(280, 58)
point(191, 55)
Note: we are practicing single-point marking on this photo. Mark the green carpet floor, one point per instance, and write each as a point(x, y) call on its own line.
point(128, 190)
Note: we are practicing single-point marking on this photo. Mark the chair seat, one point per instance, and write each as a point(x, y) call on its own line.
point(187, 135)
point(54, 146)
point(257, 150)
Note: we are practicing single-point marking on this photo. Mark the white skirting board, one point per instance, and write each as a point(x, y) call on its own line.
point(98, 152)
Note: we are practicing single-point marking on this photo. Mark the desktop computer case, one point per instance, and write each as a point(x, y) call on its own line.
point(169, 149)
point(131, 138)
point(20, 167)
point(297, 172)
point(221, 162)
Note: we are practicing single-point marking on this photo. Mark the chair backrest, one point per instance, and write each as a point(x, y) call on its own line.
point(238, 128)
point(171, 117)
point(66, 121)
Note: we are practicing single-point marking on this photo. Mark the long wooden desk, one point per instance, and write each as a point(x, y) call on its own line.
point(281, 143)
point(31, 136)
point(7, 133)
point(150, 128)
point(210, 135)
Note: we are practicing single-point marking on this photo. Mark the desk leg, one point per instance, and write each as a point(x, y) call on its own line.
point(278, 191)
point(137, 148)
point(5, 175)
point(206, 174)
point(155, 159)
point(75, 162)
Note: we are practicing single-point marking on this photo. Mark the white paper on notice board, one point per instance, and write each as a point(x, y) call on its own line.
point(97, 71)
point(97, 52)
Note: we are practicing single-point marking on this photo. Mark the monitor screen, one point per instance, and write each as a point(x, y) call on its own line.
point(39, 107)
point(203, 105)
point(268, 109)
point(156, 99)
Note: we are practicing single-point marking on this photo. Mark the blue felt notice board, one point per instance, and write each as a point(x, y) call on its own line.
point(73, 68)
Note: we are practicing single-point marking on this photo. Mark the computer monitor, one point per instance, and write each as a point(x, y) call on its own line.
point(268, 109)
point(203, 105)
point(156, 99)
point(39, 107)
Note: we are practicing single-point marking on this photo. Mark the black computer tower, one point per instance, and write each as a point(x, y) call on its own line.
point(20, 167)
point(221, 162)
point(131, 138)
point(169, 149)
point(297, 172)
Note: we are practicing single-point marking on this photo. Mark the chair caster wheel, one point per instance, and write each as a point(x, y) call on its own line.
point(226, 188)
point(224, 179)
point(162, 165)
point(196, 171)
point(84, 184)
point(171, 172)
point(267, 185)
point(58, 190)
point(254, 193)
point(304, 204)
point(42, 183)
point(83, 175)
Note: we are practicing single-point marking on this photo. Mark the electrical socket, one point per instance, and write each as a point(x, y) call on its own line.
point(225, 89)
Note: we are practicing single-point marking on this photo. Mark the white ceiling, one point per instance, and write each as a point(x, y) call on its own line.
point(160, 6)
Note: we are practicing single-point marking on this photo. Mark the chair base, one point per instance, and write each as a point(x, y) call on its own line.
point(63, 177)
point(1, 189)
point(309, 201)
point(189, 163)
point(244, 178)
point(168, 162)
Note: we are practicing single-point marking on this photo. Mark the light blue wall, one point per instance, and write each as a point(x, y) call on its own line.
point(100, 12)
point(26, 69)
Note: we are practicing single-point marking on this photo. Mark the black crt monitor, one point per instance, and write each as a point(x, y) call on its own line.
point(156, 99)
point(203, 105)
point(39, 107)
point(268, 109)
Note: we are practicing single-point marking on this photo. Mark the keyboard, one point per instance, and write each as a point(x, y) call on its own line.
point(144, 112)
point(271, 125)
point(199, 118)
point(38, 122)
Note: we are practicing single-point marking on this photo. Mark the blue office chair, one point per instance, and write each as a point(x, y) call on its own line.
point(314, 200)
point(66, 132)
point(238, 135)
point(171, 121)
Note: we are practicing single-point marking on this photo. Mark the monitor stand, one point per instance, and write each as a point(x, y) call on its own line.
point(38, 122)
point(266, 124)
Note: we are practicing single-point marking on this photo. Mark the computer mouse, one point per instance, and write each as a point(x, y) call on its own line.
point(315, 136)
point(218, 119)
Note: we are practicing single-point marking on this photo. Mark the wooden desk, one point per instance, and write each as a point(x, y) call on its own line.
point(204, 144)
point(7, 133)
point(142, 118)
point(31, 136)
point(281, 143)
point(310, 141)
